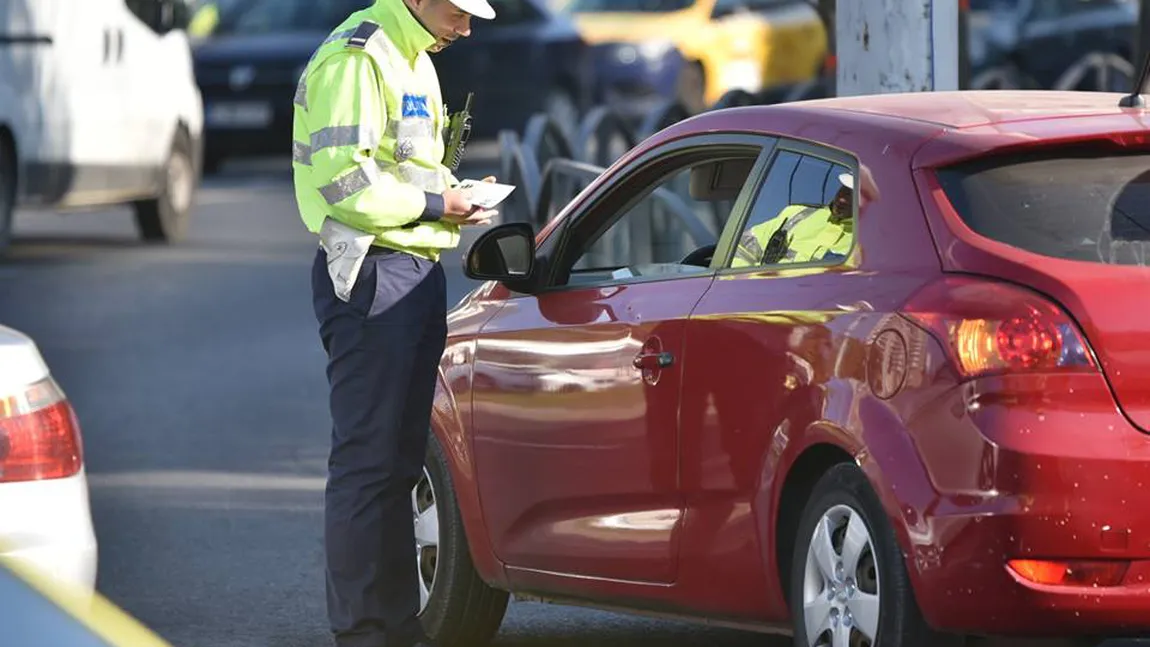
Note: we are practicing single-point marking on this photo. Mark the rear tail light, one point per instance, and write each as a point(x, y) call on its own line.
point(990, 327)
point(1070, 573)
point(39, 435)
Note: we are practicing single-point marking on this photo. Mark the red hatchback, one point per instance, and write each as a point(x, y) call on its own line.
point(869, 370)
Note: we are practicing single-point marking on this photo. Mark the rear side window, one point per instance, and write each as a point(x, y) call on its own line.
point(1078, 205)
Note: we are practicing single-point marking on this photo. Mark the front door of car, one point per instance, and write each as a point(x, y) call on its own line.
point(576, 388)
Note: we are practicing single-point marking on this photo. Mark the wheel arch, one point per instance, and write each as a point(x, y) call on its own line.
point(892, 466)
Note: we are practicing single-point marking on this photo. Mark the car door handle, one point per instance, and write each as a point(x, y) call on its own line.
point(660, 360)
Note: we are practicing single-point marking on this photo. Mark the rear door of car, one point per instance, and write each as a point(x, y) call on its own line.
point(576, 387)
point(770, 345)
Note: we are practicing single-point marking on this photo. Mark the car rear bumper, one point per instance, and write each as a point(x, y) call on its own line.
point(1040, 468)
point(48, 526)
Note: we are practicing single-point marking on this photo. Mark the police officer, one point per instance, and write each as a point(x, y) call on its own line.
point(369, 179)
point(802, 234)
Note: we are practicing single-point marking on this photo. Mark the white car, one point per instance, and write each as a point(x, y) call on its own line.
point(99, 106)
point(45, 516)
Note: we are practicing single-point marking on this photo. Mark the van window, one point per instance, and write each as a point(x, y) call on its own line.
point(1082, 205)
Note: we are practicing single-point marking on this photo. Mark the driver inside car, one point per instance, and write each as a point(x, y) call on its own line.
point(802, 233)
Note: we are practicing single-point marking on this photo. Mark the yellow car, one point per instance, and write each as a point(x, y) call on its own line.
point(728, 44)
point(36, 611)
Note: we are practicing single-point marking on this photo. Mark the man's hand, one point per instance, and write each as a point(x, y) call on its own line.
point(458, 210)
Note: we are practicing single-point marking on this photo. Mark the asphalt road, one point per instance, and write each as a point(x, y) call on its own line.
point(198, 379)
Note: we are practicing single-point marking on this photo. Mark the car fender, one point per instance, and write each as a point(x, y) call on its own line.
point(448, 426)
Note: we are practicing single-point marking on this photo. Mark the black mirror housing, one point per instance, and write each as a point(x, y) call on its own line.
point(504, 253)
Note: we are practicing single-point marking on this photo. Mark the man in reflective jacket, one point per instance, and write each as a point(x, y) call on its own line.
point(369, 179)
point(802, 233)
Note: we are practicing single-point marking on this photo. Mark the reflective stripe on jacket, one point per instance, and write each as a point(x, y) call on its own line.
point(367, 133)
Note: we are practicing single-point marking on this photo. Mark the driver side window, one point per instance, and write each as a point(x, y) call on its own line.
point(666, 225)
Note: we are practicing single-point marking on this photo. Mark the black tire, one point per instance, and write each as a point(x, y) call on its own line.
point(7, 190)
point(462, 610)
point(165, 218)
point(900, 622)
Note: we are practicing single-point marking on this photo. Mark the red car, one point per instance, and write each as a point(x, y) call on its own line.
point(938, 430)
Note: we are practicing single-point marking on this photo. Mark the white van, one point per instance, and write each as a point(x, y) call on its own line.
point(99, 106)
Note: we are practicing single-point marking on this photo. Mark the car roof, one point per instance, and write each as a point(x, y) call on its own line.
point(930, 127)
point(972, 108)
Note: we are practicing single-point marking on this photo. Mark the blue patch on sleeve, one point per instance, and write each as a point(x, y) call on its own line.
point(831, 256)
point(415, 105)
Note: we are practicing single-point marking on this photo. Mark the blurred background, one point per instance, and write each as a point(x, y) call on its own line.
point(151, 247)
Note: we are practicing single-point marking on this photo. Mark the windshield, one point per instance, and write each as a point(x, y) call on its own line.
point(1079, 205)
point(277, 16)
point(627, 6)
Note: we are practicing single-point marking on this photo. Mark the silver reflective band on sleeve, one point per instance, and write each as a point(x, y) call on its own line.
point(411, 128)
point(350, 184)
point(333, 136)
point(427, 179)
point(301, 94)
point(339, 35)
point(301, 153)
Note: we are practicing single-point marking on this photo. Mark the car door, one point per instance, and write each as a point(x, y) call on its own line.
point(157, 57)
point(765, 343)
point(575, 396)
point(83, 150)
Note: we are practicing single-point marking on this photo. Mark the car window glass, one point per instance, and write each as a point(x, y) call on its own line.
point(804, 213)
point(278, 16)
point(1083, 205)
point(669, 227)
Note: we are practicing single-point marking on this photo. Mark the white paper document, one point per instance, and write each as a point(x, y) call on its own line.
point(486, 194)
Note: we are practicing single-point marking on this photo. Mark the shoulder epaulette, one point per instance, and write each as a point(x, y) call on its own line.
point(362, 34)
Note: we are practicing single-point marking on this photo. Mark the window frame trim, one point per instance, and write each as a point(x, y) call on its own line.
point(555, 246)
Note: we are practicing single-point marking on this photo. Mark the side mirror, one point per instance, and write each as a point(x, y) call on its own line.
point(503, 253)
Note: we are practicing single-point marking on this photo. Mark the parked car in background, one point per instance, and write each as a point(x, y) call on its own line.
point(930, 422)
point(1031, 43)
point(45, 517)
point(727, 44)
point(248, 69)
point(98, 105)
point(525, 61)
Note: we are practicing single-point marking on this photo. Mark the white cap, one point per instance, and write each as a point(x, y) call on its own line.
point(847, 180)
point(478, 8)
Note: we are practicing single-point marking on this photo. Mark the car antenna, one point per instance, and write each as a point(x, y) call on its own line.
point(1135, 98)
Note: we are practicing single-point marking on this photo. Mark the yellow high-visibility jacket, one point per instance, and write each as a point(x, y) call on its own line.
point(367, 144)
point(810, 236)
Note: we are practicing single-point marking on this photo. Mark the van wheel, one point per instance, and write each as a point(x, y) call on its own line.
point(7, 190)
point(458, 609)
point(165, 218)
point(849, 585)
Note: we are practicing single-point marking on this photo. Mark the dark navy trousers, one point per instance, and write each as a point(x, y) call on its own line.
point(383, 348)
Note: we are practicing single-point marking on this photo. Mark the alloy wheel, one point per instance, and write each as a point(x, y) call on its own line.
point(426, 511)
point(841, 582)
